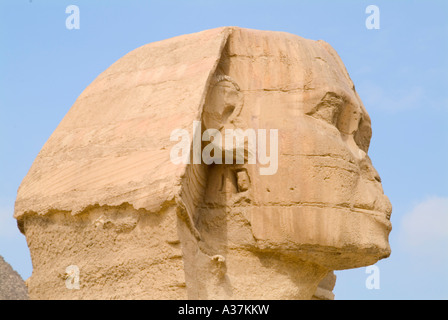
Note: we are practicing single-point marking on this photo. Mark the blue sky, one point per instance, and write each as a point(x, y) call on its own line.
point(400, 72)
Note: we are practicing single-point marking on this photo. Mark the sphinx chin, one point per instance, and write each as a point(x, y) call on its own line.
point(333, 238)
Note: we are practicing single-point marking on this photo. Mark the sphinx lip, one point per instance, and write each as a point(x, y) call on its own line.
point(378, 216)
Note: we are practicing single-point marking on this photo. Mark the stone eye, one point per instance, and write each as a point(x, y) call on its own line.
point(329, 108)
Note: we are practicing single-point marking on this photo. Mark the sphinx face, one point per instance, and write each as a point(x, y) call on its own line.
point(325, 203)
point(326, 195)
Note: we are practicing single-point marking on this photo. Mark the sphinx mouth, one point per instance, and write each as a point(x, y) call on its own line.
point(380, 208)
point(383, 210)
point(381, 217)
point(380, 211)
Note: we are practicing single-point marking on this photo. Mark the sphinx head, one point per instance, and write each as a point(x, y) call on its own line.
point(105, 173)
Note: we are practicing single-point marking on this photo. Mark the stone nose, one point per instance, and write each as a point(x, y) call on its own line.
point(376, 175)
point(368, 171)
point(386, 206)
point(370, 195)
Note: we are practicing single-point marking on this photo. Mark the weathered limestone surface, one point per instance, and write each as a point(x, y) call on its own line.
point(12, 286)
point(103, 194)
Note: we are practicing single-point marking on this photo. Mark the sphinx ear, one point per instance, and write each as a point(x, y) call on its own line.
point(232, 111)
point(224, 102)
